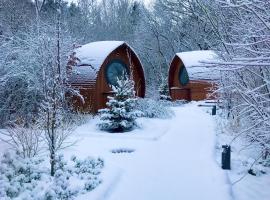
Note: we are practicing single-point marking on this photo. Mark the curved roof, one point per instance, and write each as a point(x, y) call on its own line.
point(196, 64)
point(95, 53)
point(89, 58)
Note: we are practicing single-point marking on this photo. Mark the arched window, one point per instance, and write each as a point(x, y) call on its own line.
point(116, 69)
point(183, 76)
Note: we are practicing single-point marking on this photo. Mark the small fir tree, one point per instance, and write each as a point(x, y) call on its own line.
point(164, 90)
point(120, 115)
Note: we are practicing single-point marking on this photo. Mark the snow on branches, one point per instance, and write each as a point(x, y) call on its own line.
point(120, 115)
point(29, 178)
point(245, 85)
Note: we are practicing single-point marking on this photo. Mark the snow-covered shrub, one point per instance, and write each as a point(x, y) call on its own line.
point(173, 103)
point(79, 118)
point(18, 175)
point(24, 140)
point(30, 179)
point(120, 115)
point(153, 109)
point(61, 187)
point(122, 150)
point(88, 166)
point(19, 99)
point(85, 173)
point(88, 170)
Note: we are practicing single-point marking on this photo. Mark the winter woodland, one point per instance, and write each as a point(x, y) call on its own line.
point(38, 126)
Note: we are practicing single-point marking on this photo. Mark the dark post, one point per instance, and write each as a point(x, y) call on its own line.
point(214, 110)
point(226, 157)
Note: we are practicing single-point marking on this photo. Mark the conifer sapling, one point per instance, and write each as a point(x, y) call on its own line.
point(120, 115)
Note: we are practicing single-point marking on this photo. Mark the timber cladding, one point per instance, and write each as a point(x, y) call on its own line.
point(194, 90)
point(95, 89)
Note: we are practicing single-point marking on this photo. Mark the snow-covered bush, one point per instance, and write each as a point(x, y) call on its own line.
point(61, 187)
point(78, 118)
point(29, 178)
point(153, 109)
point(120, 115)
point(19, 99)
point(88, 170)
point(85, 173)
point(18, 175)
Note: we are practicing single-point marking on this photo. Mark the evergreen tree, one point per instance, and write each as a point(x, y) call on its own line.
point(120, 115)
point(164, 90)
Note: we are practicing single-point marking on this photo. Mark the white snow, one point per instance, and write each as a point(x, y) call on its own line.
point(95, 53)
point(83, 74)
point(244, 185)
point(195, 63)
point(173, 159)
point(91, 56)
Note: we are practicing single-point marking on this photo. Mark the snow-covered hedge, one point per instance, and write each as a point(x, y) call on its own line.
point(29, 178)
point(154, 109)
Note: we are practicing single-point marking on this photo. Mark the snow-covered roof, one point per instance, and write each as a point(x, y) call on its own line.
point(95, 53)
point(90, 57)
point(83, 74)
point(196, 64)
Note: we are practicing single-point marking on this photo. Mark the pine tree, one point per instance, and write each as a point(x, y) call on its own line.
point(164, 90)
point(120, 115)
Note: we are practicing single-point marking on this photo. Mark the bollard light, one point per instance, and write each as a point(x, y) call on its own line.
point(214, 110)
point(226, 157)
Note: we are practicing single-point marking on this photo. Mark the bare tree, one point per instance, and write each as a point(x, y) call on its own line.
point(27, 141)
point(245, 87)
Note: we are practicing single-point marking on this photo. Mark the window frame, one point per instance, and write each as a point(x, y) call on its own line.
point(108, 80)
point(181, 71)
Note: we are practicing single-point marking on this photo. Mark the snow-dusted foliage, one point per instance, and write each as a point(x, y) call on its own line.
point(18, 175)
point(245, 84)
point(88, 170)
point(164, 89)
point(154, 108)
point(30, 179)
point(24, 140)
point(120, 115)
point(60, 186)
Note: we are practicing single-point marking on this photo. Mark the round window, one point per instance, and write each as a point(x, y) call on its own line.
point(183, 76)
point(116, 69)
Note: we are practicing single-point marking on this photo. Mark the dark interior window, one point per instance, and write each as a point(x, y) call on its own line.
point(183, 76)
point(116, 69)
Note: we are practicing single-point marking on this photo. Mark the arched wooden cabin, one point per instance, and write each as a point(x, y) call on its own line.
point(190, 78)
point(93, 67)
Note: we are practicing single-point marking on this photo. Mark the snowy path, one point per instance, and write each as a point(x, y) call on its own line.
point(179, 165)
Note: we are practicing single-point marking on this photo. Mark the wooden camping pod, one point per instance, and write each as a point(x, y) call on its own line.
point(89, 67)
point(189, 79)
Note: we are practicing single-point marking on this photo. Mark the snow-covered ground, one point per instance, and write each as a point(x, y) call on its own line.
point(244, 185)
point(171, 159)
